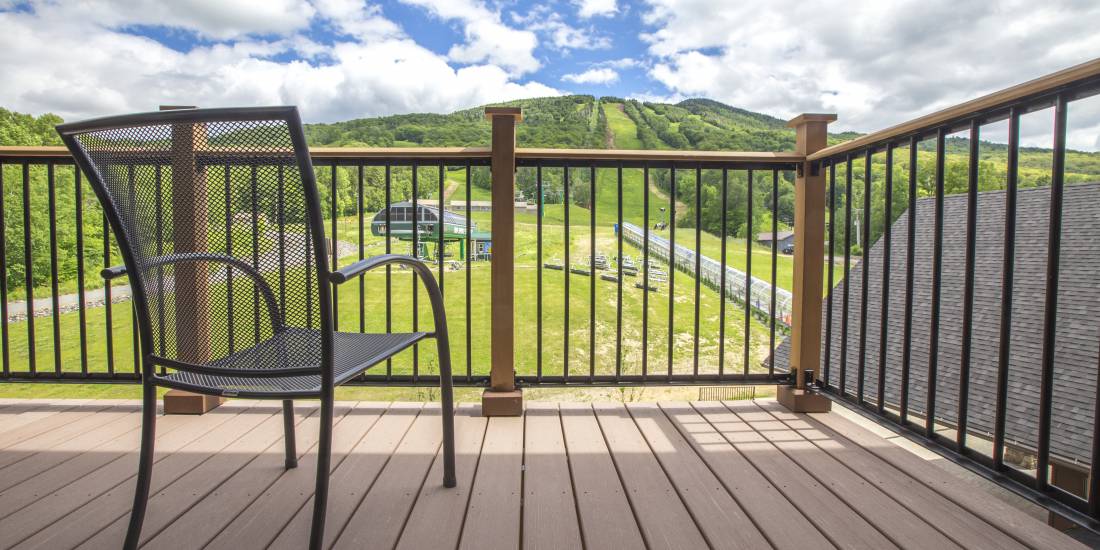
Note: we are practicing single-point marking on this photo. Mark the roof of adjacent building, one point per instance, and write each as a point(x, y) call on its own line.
point(1077, 345)
point(767, 235)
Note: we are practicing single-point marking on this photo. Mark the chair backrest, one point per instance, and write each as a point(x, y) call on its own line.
point(218, 221)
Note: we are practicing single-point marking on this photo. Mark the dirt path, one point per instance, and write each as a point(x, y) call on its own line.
point(452, 186)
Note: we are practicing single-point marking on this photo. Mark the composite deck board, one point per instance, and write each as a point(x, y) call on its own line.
point(606, 518)
point(843, 526)
point(963, 527)
point(904, 528)
point(350, 481)
point(92, 502)
point(664, 519)
point(195, 510)
point(35, 423)
point(437, 518)
point(549, 507)
point(19, 466)
point(1009, 520)
point(769, 509)
point(679, 475)
point(262, 520)
point(381, 516)
point(493, 515)
point(720, 517)
point(33, 411)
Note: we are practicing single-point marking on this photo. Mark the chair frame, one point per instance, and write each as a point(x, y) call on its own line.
point(150, 379)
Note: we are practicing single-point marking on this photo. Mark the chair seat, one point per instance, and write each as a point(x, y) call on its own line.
point(294, 347)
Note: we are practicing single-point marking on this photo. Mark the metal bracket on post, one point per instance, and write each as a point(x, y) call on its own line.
point(809, 254)
point(503, 398)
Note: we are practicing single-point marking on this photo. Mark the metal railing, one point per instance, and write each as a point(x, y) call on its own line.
point(952, 364)
point(67, 325)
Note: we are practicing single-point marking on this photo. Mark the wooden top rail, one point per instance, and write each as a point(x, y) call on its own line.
point(477, 152)
point(1039, 87)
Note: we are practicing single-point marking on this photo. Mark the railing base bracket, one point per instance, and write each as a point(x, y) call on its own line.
point(802, 401)
point(502, 403)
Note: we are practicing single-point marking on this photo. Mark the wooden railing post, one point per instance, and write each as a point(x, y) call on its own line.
point(502, 398)
point(189, 230)
point(809, 255)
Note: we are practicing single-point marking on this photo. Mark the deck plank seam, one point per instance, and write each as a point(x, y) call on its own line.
point(952, 537)
point(470, 491)
point(828, 487)
point(572, 479)
point(114, 487)
point(419, 491)
point(675, 425)
point(374, 480)
point(301, 455)
point(808, 514)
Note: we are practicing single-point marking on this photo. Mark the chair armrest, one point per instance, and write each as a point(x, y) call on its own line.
point(113, 272)
point(356, 269)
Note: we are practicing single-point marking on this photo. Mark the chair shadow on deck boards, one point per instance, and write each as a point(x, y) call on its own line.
point(181, 191)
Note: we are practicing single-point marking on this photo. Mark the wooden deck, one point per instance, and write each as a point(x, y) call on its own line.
point(671, 475)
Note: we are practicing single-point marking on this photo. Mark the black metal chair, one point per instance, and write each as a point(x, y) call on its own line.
point(218, 316)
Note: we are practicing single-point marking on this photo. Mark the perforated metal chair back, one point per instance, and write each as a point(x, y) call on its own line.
point(218, 221)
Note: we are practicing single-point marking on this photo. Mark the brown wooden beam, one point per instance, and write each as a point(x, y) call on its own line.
point(191, 281)
point(502, 398)
point(811, 132)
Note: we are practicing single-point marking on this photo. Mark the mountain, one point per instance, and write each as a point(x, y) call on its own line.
point(576, 121)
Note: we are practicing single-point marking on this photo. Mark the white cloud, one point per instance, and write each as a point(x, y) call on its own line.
point(874, 63)
point(77, 69)
point(562, 35)
point(589, 8)
point(488, 39)
point(593, 76)
point(216, 19)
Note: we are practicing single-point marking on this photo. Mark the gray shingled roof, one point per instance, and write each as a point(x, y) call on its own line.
point(1078, 337)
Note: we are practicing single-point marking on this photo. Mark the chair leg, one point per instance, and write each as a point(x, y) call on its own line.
point(324, 458)
point(145, 465)
point(446, 387)
point(288, 434)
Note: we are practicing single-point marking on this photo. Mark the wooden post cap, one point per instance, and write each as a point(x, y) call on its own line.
point(806, 118)
point(516, 112)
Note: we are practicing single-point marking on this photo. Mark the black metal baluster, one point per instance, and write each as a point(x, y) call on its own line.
point(748, 277)
point(109, 339)
point(968, 287)
point(469, 255)
point(51, 191)
point(281, 222)
point(439, 229)
point(133, 304)
point(910, 252)
point(28, 267)
point(256, 255)
point(565, 272)
point(6, 353)
point(619, 282)
point(416, 254)
point(82, 314)
point(332, 247)
point(359, 205)
point(229, 251)
point(865, 282)
point(1050, 309)
point(671, 264)
point(645, 270)
point(845, 296)
point(884, 312)
point(592, 273)
point(937, 269)
point(389, 273)
point(775, 269)
point(158, 191)
point(1008, 269)
point(698, 266)
point(828, 352)
point(722, 279)
point(538, 272)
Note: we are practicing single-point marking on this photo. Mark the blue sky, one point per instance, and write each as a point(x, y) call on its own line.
point(874, 63)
